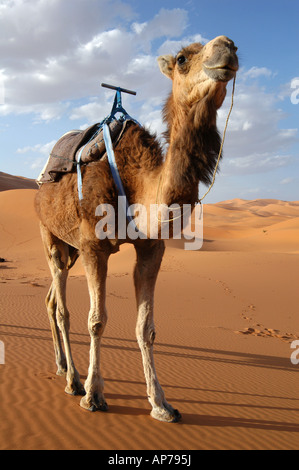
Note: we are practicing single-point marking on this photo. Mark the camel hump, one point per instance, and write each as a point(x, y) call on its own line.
point(64, 155)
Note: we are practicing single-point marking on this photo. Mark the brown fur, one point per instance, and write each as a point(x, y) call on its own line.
point(68, 226)
point(196, 146)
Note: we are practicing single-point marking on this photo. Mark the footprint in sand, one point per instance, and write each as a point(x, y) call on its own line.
point(118, 296)
point(33, 283)
point(268, 332)
point(225, 287)
point(46, 376)
point(246, 311)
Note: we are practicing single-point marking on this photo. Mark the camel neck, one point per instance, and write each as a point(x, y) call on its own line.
point(193, 147)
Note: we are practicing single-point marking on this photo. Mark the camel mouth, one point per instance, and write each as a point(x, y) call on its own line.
point(221, 72)
point(229, 67)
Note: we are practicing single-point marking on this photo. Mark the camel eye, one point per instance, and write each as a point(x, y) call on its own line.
point(181, 59)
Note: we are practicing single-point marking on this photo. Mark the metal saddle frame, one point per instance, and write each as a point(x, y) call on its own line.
point(104, 125)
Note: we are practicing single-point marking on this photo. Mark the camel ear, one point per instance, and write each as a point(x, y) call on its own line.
point(166, 64)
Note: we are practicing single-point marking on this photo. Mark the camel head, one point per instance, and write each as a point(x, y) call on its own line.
point(198, 71)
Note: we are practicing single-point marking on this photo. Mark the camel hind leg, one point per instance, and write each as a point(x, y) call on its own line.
point(60, 257)
point(51, 304)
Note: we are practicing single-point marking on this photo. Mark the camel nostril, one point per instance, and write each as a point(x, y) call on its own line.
point(231, 46)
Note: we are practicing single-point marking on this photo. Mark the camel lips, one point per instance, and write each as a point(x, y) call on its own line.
point(222, 67)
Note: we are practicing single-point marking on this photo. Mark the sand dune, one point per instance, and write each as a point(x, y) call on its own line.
point(15, 182)
point(226, 317)
point(252, 225)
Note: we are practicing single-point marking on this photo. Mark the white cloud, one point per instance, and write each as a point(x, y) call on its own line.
point(27, 27)
point(42, 112)
point(138, 27)
point(250, 192)
point(286, 180)
point(42, 67)
point(92, 112)
point(173, 46)
point(141, 64)
point(2, 88)
point(257, 163)
point(44, 58)
point(44, 149)
point(256, 72)
point(167, 23)
point(255, 141)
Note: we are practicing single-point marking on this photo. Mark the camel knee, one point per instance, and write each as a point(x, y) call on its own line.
point(97, 327)
point(51, 308)
point(51, 302)
point(146, 336)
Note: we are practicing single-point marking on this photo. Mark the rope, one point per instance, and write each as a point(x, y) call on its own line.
point(222, 143)
point(217, 163)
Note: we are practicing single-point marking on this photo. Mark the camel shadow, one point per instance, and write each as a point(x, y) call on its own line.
point(248, 423)
point(128, 411)
point(210, 420)
point(3, 264)
point(204, 420)
point(245, 359)
point(191, 353)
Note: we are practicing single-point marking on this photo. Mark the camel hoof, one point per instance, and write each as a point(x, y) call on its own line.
point(75, 389)
point(94, 404)
point(177, 416)
point(168, 415)
point(61, 372)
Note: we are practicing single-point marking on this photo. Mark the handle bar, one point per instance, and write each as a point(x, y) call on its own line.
point(124, 90)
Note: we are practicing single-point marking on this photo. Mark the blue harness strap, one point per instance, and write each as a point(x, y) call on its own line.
point(117, 108)
point(115, 173)
point(79, 175)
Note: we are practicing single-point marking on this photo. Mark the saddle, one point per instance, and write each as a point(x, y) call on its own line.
point(79, 147)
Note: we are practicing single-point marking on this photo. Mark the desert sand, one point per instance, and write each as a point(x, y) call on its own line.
point(225, 317)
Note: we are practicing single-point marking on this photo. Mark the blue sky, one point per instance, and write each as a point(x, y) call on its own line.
point(55, 53)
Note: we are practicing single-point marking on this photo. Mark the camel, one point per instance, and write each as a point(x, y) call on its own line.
point(199, 75)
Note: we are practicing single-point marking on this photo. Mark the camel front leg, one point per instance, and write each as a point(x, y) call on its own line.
point(149, 257)
point(95, 264)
